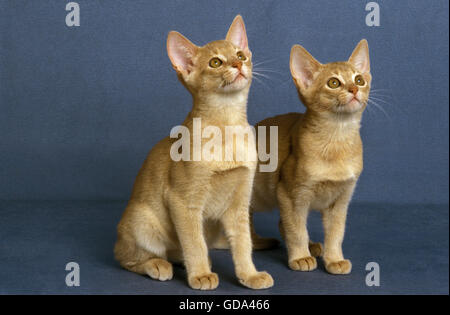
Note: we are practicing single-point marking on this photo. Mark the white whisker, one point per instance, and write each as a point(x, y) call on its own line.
point(379, 99)
point(380, 108)
point(268, 70)
point(261, 82)
point(286, 81)
point(263, 62)
point(380, 94)
point(261, 75)
point(368, 109)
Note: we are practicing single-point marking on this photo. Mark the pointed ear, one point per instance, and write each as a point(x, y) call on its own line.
point(180, 51)
point(303, 66)
point(360, 57)
point(237, 34)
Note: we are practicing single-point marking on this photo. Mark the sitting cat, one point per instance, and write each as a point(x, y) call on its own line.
point(320, 157)
point(177, 208)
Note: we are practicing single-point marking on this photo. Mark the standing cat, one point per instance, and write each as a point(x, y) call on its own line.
point(177, 208)
point(320, 157)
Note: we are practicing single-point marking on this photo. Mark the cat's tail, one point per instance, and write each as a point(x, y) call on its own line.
point(259, 242)
point(217, 239)
point(262, 243)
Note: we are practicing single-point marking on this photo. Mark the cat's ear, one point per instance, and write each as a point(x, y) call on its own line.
point(237, 34)
point(360, 57)
point(303, 66)
point(181, 52)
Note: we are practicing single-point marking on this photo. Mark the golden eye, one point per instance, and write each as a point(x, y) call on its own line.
point(334, 83)
point(359, 80)
point(241, 56)
point(215, 63)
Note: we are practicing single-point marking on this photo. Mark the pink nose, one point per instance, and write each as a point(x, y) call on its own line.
point(237, 64)
point(353, 89)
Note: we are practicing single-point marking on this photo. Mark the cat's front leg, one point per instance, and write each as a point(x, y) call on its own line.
point(334, 219)
point(236, 224)
point(294, 209)
point(188, 221)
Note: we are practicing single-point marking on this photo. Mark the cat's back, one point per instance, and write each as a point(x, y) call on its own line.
point(284, 121)
point(152, 176)
point(284, 124)
point(265, 183)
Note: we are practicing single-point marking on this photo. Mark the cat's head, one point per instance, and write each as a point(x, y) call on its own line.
point(337, 87)
point(222, 66)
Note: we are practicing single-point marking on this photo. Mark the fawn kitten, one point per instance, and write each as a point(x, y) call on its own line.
point(178, 208)
point(320, 157)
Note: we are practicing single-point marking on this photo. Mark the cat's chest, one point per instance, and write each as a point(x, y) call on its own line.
point(343, 169)
point(326, 192)
point(335, 154)
point(226, 189)
point(333, 161)
point(229, 148)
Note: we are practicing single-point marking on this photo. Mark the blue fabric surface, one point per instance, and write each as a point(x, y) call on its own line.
point(409, 242)
point(81, 107)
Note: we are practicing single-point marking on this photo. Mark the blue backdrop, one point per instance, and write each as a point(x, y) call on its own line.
point(80, 107)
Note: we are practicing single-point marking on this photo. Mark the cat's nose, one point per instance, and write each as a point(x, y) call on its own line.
point(353, 89)
point(237, 64)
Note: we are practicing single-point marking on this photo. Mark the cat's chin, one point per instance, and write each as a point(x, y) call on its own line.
point(351, 107)
point(239, 83)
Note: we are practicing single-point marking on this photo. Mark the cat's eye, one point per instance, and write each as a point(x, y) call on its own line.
point(241, 56)
point(359, 80)
point(334, 83)
point(215, 63)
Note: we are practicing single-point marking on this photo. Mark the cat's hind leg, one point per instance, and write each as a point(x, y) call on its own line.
point(156, 268)
point(143, 262)
point(139, 247)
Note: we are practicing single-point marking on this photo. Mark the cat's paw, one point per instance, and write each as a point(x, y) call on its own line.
point(159, 269)
point(342, 267)
point(260, 280)
point(316, 249)
point(303, 264)
point(208, 281)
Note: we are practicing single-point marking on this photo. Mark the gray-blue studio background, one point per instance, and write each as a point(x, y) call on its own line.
point(80, 108)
